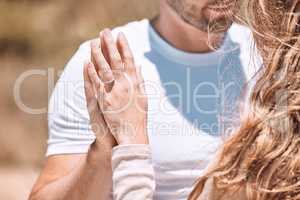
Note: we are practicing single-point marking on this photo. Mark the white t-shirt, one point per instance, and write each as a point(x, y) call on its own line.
point(192, 99)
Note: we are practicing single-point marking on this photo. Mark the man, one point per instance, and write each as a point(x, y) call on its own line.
point(195, 64)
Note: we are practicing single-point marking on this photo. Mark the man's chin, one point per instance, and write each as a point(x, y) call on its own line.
point(215, 27)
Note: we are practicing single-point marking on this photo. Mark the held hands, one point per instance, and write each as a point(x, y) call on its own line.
point(118, 87)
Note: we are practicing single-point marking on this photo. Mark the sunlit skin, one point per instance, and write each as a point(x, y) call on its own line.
point(123, 100)
point(206, 15)
point(88, 176)
point(194, 26)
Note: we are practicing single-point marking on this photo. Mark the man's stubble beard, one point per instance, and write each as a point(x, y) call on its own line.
point(201, 23)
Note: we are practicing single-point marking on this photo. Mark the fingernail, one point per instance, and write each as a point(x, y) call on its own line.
point(86, 62)
point(122, 35)
point(106, 31)
point(93, 43)
point(109, 35)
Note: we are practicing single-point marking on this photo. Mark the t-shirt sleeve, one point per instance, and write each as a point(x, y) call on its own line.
point(68, 119)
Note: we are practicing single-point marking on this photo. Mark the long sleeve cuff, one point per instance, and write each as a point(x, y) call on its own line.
point(133, 174)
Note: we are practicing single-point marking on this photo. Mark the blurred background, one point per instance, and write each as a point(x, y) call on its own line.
point(43, 34)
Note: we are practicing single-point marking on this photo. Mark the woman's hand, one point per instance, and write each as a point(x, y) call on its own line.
point(121, 96)
point(97, 122)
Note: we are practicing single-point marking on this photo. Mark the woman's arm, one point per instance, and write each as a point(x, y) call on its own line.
point(133, 174)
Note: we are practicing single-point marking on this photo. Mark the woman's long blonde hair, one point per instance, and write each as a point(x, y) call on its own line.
point(262, 157)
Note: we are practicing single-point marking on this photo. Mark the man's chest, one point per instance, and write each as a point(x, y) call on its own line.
point(185, 101)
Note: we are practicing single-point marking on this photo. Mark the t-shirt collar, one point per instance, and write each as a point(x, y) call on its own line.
point(185, 58)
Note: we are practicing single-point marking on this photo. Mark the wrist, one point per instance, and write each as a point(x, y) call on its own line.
point(101, 151)
point(138, 137)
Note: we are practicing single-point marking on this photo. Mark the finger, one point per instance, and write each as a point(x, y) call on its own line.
point(108, 84)
point(96, 82)
point(88, 87)
point(140, 78)
point(100, 63)
point(99, 87)
point(98, 124)
point(89, 90)
point(116, 63)
point(92, 56)
point(103, 47)
point(126, 53)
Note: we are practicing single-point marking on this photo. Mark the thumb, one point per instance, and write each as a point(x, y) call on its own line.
point(89, 90)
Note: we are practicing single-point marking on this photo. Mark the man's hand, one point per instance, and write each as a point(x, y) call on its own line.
point(97, 122)
point(119, 83)
point(80, 176)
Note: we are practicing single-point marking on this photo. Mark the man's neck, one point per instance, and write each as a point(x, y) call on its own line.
point(182, 35)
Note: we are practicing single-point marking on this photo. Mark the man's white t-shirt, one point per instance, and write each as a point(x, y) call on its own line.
point(192, 99)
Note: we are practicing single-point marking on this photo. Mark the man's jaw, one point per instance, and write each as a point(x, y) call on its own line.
point(210, 19)
point(222, 6)
point(211, 24)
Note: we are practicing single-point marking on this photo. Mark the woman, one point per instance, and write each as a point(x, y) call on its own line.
point(260, 160)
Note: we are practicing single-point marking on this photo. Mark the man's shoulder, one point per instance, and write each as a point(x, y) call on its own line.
point(133, 30)
point(236, 27)
point(240, 33)
point(249, 55)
